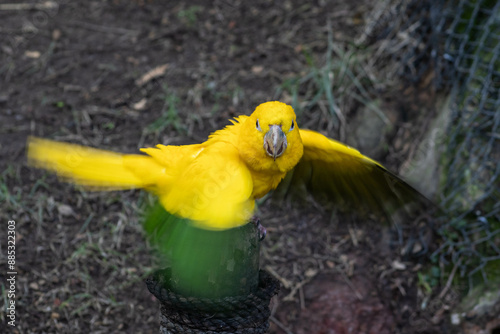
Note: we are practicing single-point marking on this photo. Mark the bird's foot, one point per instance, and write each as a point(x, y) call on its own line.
point(261, 230)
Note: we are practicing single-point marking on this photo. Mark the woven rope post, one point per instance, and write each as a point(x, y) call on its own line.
point(244, 314)
point(211, 282)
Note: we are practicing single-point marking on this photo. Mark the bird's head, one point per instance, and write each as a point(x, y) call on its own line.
point(271, 138)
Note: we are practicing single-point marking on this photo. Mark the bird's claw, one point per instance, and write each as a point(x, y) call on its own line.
point(261, 230)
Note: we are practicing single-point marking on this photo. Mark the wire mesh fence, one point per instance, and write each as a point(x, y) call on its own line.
point(471, 193)
point(460, 41)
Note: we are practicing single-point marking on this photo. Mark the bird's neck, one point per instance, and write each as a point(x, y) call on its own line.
point(264, 182)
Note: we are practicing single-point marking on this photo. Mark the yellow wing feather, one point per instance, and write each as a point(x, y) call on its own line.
point(207, 184)
point(93, 168)
point(346, 177)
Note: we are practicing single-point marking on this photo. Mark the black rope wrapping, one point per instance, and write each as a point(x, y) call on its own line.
point(247, 314)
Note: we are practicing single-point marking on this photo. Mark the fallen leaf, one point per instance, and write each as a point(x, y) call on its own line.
point(141, 105)
point(65, 210)
point(398, 265)
point(32, 54)
point(152, 74)
point(257, 69)
point(56, 34)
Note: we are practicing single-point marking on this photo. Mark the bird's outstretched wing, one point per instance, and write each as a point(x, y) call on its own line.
point(342, 175)
point(207, 184)
point(93, 168)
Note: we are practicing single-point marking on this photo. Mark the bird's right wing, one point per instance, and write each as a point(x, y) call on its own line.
point(207, 184)
point(93, 168)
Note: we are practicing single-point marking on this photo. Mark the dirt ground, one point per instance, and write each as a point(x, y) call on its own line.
point(124, 74)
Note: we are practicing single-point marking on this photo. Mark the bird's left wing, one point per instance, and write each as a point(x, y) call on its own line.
point(343, 175)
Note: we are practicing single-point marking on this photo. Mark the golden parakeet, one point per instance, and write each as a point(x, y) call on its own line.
point(215, 183)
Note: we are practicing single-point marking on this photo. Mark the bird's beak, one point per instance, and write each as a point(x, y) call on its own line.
point(275, 141)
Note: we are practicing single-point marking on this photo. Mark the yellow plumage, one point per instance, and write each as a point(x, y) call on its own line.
point(215, 183)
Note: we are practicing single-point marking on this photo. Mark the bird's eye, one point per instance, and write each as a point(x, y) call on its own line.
point(292, 126)
point(257, 125)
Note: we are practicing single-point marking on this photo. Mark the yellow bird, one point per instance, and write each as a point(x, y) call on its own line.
point(215, 183)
